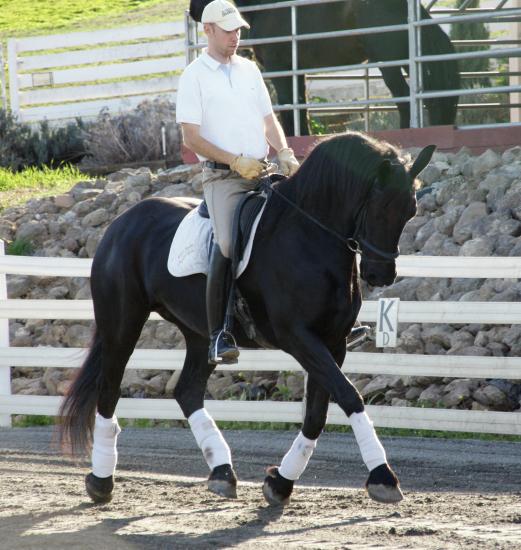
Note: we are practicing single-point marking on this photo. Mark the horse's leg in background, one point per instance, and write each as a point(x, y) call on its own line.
point(279, 482)
point(398, 86)
point(119, 325)
point(284, 88)
point(189, 392)
point(302, 98)
point(382, 484)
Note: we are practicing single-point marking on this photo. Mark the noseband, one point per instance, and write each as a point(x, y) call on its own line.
point(356, 244)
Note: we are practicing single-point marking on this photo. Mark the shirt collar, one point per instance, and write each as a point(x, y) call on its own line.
point(209, 60)
point(213, 63)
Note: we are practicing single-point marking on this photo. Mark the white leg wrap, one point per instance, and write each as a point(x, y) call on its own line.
point(373, 454)
point(210, 440)
point(296, 459)
point(104, 451)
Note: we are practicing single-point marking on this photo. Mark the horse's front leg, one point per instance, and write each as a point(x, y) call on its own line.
point(279, 482)
point(189, 392)
point(382, 484)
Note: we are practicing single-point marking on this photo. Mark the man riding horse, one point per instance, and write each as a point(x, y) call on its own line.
point(352, 195)
point(227, 120)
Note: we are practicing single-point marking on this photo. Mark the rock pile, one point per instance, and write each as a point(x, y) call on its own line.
point(473, 209)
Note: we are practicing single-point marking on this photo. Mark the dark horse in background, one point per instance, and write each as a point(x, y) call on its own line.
point(349, 50)
point(301, 286)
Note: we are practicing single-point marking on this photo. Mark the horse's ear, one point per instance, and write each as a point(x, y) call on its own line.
point(422, 160)
point(384, 169)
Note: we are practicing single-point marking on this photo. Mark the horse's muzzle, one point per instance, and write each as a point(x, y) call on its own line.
point(381, 274)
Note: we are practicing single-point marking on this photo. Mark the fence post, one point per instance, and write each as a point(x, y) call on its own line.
point(294, 67)
point(190, 38)
point(12, 62)
point(5, 372)
point(414, 66)
point(3, 96)
point(367, 94)
point(515, 67)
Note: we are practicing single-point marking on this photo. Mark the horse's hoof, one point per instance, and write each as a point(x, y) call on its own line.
point(99, 489)
point(385, 494)
point(383, 485)
point(223, 481)
point(222, 488)
point(277, 489)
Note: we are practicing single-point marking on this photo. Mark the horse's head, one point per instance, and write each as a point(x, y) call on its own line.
point(390, 205)
point(197, 7)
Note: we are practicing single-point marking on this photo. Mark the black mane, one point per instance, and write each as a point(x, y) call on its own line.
point(338, 172)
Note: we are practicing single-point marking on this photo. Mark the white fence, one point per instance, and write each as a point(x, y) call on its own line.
point(273, 411)
point(63, 76)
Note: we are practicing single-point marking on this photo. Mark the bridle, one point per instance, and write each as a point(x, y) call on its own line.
point(362, 244)
point(357, 243)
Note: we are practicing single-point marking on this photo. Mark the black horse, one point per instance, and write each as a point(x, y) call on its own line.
point(350, 14)
point(301, 285)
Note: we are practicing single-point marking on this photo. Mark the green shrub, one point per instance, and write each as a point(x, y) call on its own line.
point(20, 247)
point(22, 147)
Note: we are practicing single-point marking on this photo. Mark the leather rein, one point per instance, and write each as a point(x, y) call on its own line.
point(356, 243)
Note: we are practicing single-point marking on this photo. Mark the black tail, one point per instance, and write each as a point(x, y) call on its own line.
point(78, 410)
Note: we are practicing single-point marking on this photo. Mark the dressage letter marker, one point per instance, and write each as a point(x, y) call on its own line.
point(387, 322)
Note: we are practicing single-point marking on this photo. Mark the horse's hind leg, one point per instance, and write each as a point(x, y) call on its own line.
point(189, 392)
point(279, 482)
point(119, 328)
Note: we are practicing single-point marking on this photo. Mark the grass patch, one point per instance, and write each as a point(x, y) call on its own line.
point(38, 177)
point(21, 18)
point(33, 420)
point(275, 426)
point(20, 247)
point(18, 187)
point(432, 434)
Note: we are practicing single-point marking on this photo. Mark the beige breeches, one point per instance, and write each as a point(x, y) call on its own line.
point(223, 189)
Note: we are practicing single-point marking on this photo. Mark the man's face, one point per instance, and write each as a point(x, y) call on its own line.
point(224, 42)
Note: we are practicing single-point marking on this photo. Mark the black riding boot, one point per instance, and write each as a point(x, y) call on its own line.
point(222, 345)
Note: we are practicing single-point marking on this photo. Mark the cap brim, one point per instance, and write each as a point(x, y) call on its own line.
point(232, 23)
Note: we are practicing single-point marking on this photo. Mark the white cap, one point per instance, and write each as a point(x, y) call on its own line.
point(224, 14)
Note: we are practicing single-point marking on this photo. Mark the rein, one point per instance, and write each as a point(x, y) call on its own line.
point(352, 243)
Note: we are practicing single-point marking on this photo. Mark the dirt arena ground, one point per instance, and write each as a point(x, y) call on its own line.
point(459, 494)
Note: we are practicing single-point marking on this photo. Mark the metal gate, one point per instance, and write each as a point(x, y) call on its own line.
point(498, 11)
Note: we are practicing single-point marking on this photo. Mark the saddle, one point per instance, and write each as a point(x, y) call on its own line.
point(192, 244)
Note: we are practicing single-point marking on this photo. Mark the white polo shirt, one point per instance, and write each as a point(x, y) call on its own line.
point(228, 102)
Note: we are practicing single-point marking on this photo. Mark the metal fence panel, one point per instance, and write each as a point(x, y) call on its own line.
point(503, 11)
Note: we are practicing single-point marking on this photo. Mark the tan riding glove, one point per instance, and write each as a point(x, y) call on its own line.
point(247, 167)
point(287, 161)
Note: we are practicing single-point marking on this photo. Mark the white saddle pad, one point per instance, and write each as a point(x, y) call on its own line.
point(190, 248)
